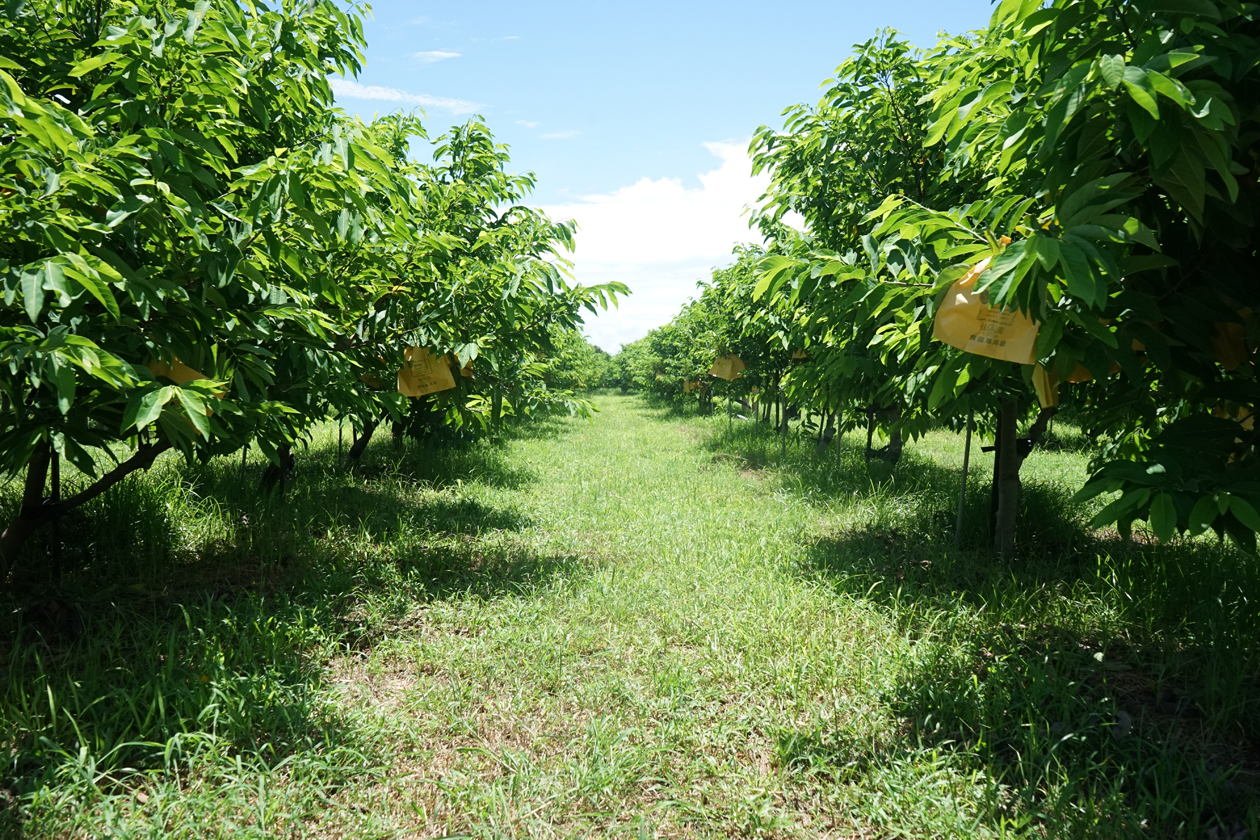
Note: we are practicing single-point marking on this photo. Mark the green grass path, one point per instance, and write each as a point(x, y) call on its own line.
point(654, 683)
point(645, 625)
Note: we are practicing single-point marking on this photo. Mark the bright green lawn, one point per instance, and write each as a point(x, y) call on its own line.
point(646, 624)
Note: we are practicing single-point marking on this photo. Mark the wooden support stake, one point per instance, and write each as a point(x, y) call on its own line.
point(837, 422)
point(730, 419)
point(54, 540)
point(962, 493)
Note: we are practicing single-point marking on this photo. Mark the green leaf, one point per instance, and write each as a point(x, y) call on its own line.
point(1203, 8)
point(65, 385)
point(772, 270)
point(143, 409)
point(885, 207)
point(1202, 515)
point(195, 409)
point(1163, 517)
point(1170, 88)
point(193, 21)
point(1118, 508)
point(89, 280)
point(1222, 502)
point(1139, 87)
point(1246, 514)
point(948, 112)
point(76, 454)
point(96, 61)
point(1047, 250)
point(1006, 272)
point(1078, 276)
point(33, 292)
point(1111, 68)
point(126, 208)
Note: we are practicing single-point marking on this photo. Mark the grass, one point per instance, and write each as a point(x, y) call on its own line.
point(652, 625)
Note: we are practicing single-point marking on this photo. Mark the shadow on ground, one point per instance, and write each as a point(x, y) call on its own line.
point(193, 612)
point(1099, 687)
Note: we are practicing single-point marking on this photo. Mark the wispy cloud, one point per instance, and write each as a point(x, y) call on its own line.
point(431, 56)
point(659, 237)
point(527, 123)
point(504, 38)
point(350, 89)
point(560, 135)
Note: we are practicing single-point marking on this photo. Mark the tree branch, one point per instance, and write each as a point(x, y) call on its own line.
point(142, 460)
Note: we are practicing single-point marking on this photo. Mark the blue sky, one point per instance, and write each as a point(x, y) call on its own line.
point(634, 117)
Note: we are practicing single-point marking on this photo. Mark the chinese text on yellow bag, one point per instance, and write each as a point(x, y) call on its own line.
point(966, 321)
point(424, 373)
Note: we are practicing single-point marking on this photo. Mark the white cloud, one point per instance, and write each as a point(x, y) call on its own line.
point(350, 89)
point(527, 123)
point(560, 135)
point(431, 56)
point(660, 238)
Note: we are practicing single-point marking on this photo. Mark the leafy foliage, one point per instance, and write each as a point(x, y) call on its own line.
point(200, 251)
point(1101, 158)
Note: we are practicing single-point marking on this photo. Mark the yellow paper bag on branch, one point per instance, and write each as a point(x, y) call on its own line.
point(1229, 342)
point(728, 367)
point(180, 374)
point(176, 371)
point(423, 373)
point(1046, 383)
point(966, 321)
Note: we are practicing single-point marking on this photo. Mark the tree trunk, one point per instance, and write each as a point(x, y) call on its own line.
point(826, 431)
point(1023, 447)
point(496, 408)
point(783, 428)
point(891, 451)
point(278, 476)
point(30, 513)
point(361, 442)
point(1038, 429)
point(1006, 478)
point(896, 443)
point(870, 431)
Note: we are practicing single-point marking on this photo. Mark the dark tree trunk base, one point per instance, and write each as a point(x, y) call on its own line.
point(361, 442)
point(36, 510)
point(278, 476)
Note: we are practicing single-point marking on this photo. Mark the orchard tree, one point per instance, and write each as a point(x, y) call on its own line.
point(1130, 131)
point(154, 155)
point(858, 300)
point(202, 252)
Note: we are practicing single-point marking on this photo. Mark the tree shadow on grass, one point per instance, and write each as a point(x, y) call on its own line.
point(667, 409)
point(1113, 687)
point(826, 477)
point(1097, 687)
point(197, 609)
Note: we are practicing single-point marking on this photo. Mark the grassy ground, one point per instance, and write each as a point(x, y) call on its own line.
point(648, 625)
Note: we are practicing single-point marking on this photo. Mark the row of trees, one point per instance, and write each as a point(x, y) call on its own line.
point(200, 252)
point(1091, 165)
